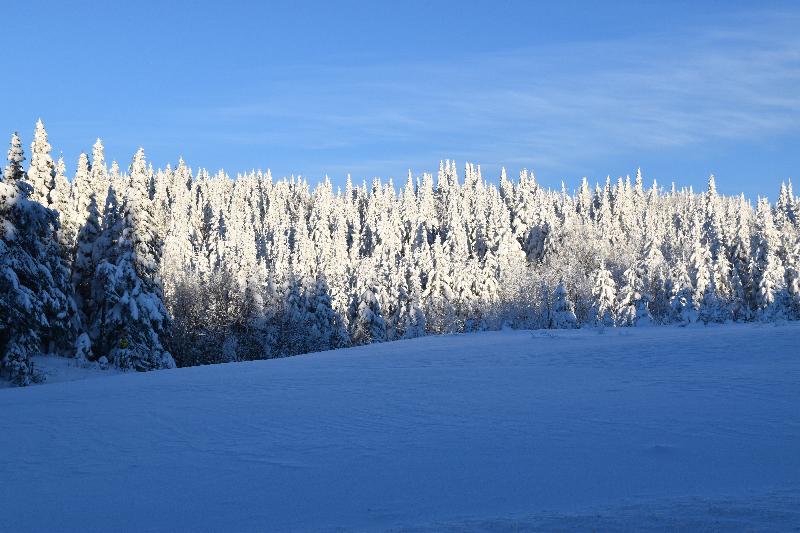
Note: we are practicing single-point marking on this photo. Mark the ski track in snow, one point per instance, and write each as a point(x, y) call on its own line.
point(654, 429)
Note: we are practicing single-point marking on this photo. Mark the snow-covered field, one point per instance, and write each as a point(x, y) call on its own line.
point(642, 428)
point(57, 369)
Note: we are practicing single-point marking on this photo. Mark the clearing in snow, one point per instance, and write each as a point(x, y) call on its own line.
point(642, 428)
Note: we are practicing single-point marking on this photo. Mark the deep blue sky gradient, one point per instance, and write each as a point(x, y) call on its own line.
point(568, 89)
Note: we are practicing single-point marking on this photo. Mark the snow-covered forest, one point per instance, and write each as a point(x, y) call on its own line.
point(149, 268)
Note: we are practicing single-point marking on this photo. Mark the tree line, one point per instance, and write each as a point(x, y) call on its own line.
point(152, 268)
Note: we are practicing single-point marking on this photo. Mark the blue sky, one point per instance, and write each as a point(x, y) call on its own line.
point(681, 89)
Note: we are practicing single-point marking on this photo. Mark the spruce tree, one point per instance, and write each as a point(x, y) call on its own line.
point(61, 197)
point(633, 307)
point(770, 289)
point(562, 315)
point(367, 325)
point(42, 170)
point(13, 171)
point(37, 314)
point(683, 306)
point(604, 292)
point(131, 324)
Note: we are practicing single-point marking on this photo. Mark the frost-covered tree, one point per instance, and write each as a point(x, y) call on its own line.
point(100, 177)
point(562, 315)
point(87, 255)
point(13, 171)
point(22, 320)
point(700, 271)
point(327, 331)
point(793, 279)
point(684, 309)
point(411, 317)
point(130, 322)
point(61, 203)
point(42, 170)
point(604, 292)
point(438, 293)
point(37, 313)
point(770, 289)
point(367, 324)
point(633, 308)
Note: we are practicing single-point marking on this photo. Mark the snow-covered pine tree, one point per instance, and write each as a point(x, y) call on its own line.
point(438, 294)
point(562, 315)
point(86, 254)
point(100, 179)
point(712, 224)
point(684, 310)
point(178, 260)
point(37, 314)
point(59, 305)
point(700, 272)
point(61, 203)
point(327, 331)
point(410, 322)
point(633, 307)
point(367, 324)
point(13, 171)
point(42, 171)
point(21, 317)
point(718, 294)
point(737, 303)
point(604, 292)
point(130, 321)
point(793, 279)
point(771, 295)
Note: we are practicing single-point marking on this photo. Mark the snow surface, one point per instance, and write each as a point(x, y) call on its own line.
point(642, 428)
point(56, 369)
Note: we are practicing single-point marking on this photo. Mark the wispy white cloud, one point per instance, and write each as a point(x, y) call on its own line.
point(553, 106)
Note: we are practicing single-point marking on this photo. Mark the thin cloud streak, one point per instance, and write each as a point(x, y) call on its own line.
point(560, 105)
